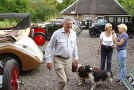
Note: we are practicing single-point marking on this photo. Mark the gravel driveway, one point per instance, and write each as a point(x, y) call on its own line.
point(42, 79)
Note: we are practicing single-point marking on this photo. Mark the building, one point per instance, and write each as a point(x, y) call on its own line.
point(93, 8)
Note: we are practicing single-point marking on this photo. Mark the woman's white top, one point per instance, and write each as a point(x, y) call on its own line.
point(107, 40)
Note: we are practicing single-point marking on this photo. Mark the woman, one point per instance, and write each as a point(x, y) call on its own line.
point(121, 44)
point(106, 46)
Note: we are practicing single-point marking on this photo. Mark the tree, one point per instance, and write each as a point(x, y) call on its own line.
point(43, 9)
point(128, 5)
point(13, 6)
point(39, 9)
point(64, 4)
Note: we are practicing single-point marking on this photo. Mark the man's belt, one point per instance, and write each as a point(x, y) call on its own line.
point(62, 57)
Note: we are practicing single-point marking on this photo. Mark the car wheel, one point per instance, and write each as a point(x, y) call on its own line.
point(39, 38)
point(90, 33)
point(130, 36)
point(11, 75)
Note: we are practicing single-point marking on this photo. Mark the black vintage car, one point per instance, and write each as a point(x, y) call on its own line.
point(95, 30)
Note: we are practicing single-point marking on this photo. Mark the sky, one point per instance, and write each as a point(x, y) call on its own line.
point(60, 1)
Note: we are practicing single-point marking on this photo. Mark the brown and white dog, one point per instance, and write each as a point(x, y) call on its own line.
point(94, 74)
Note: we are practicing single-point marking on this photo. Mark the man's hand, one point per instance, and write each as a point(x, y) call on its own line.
point(75, 63)
point(113, 32)
point(49, 66)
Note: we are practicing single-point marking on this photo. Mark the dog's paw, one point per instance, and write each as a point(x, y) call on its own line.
point(91, 88)
point(80, 84)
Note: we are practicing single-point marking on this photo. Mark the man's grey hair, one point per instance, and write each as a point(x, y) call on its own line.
point(68, 18)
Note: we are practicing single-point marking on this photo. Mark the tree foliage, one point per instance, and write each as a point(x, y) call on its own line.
point(128, 5)
point(13, 6)
point(39, 9)
point(64, 4)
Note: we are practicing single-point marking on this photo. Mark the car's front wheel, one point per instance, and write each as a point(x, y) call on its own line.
point(11, 75)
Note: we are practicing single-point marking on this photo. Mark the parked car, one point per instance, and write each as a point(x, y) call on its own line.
point(86, 24)
point(18, 52)
point(96, 30)
point(51, 28)
point(115, 20)
point(56, 24)
point(38, 34)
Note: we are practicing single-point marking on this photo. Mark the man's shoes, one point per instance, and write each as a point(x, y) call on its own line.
point(61, 85)
point(117, 81)
point(121, 83)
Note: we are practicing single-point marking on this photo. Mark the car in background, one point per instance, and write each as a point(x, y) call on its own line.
point(38, 34)
point(115, 20)
point(48, 28)
point(86, 24)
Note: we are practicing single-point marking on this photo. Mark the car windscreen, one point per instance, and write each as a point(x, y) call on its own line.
point(9, 23)
point(14, 21)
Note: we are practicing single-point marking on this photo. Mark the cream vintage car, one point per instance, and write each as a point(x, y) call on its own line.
point(18, 52)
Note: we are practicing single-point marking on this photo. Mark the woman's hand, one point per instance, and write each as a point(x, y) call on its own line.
point(113, 32)
point(98, 51)
point(113, 46)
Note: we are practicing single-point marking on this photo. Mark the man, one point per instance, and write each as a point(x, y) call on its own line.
point(62, 48)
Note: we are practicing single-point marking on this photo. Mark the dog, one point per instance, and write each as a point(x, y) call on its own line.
point(93, 74)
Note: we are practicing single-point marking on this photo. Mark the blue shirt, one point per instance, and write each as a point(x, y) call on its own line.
point(124, 45)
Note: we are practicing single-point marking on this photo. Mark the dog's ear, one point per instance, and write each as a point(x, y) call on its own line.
point(81, 69)
point(95, 68)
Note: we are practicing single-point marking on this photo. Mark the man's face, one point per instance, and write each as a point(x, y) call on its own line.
point(68, 25)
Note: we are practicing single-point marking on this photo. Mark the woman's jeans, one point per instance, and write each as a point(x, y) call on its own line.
point(106, 55)
point(121, 60)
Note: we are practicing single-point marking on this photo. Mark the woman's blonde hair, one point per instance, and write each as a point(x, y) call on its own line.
point(123, 26)
point(108, 25)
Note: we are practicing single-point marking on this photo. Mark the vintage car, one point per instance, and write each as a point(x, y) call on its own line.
point(38, 34)
point(115, 20)
point(18, 52)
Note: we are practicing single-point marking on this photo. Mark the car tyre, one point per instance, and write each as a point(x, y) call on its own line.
point(11, 75)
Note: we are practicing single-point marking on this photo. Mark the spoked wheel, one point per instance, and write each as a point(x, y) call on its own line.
point(14, 78)
point(39, 38)
point(11, 75)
